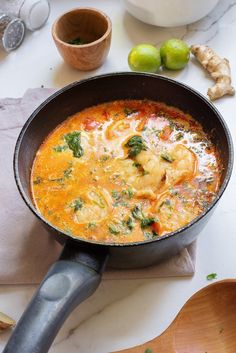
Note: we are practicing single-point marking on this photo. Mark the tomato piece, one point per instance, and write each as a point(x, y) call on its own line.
point(156, 227)
point(166, 132)
point(90, 124)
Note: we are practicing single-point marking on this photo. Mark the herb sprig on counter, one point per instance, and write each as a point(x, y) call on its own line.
point(211, 276)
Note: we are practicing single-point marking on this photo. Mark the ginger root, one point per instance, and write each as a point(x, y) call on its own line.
point(6, 322)
point(217, 67)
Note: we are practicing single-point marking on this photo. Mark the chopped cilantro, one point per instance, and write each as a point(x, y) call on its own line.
point(37, 181)
point(91, 225)
point(209, 180)
point(146, 222)
point(120, 203)
point(104, 158)
point(128, 193)
point(77, 204)
point(68, 231)
point(150, 235)
point(137, 213)
point(211, 276)
point(73, 140)
point(166, 202)
point(60, 148)
point(136, 144)
point(67, 173)
point(113, 230)
point(130, 223)
point(179, 136)
point(115, 194)
point(137, 165)
point(167, 157)
point(129, 111)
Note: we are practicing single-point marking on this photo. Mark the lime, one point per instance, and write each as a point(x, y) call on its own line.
point(174, 54)
point(144, 57)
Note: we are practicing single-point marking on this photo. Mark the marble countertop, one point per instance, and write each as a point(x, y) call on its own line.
point(123, 313)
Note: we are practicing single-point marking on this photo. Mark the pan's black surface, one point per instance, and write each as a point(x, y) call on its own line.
point(83, 261)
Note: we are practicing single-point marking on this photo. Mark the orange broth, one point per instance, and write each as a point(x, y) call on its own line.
point(125, 171)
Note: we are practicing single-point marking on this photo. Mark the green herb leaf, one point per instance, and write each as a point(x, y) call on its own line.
point(67, 173)
point(130, 223)
point(129, 111)
point(120, 203)
point(77, 204)
point(91, 225)
point(167, 157)
point(115, 194)
point(113, 230)
point(60, 148)
point(149, 235)
point(211, 276)
point(179, 136)
point(76, 41)
point(128, 193)
point(137, 165)
point(73, 140)
point(68, 231)
point(137, 213)
point(136, 144)
point(104, 158)
point(166, 203)
point(148, 350)
point(146, 222)
point(37, 181)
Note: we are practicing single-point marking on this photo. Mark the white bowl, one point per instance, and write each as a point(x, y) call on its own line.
point(169, 13)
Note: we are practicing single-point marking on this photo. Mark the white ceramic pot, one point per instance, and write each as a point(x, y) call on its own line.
point(169, 13)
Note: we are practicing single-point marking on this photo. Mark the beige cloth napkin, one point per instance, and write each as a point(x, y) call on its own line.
point(27, 250)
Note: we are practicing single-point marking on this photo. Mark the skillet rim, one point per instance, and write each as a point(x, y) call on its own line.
point(33, 115)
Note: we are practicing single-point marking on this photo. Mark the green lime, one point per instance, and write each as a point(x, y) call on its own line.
point(174, 54)
point(144, 57)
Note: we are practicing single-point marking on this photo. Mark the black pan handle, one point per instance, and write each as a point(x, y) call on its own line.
point(73, 278)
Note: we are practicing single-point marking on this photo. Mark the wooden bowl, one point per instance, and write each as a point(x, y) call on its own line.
point(90, 27)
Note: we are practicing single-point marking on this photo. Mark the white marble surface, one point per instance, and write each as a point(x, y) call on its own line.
point(125, 313)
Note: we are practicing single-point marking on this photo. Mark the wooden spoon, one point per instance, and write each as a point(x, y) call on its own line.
point(205, 324)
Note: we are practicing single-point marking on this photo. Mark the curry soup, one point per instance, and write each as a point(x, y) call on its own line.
point(125, 171)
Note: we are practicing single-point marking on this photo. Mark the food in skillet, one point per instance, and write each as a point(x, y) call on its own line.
point(125, 171)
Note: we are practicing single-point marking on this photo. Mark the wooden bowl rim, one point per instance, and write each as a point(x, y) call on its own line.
point(88, 9)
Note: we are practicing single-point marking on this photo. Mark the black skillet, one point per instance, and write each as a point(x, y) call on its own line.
point(77, 273)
